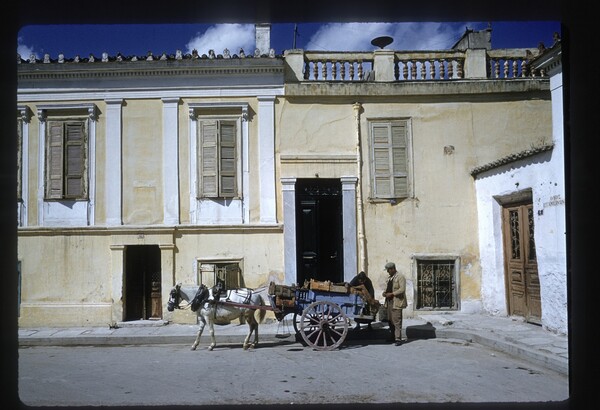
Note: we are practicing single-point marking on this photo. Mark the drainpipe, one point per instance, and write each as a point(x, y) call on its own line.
point(362, 258)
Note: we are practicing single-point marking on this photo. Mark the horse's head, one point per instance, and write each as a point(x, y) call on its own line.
point(174, 298)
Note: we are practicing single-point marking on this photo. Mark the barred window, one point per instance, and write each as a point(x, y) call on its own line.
point(390, 159)
point(436, 284)
point(218, 159)
point(66, 160)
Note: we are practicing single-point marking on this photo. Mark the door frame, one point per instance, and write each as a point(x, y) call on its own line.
point(349, 228)
point(323, 197)
point(527, 264)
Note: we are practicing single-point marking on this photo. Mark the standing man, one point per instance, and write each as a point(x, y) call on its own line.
point(395, 301)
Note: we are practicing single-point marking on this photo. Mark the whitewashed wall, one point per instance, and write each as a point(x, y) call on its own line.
point(544, 175)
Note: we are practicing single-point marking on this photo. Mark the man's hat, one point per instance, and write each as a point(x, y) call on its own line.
point(390, 265)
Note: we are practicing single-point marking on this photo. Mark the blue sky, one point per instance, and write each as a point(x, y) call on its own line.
point(138, 39)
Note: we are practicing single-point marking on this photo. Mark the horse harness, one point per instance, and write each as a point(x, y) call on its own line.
point(206, 295)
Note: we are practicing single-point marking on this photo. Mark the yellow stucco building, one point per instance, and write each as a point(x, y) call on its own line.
point(137, 173)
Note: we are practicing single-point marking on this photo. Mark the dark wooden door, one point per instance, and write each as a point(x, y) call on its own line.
point(319, 230)
point(522, 278)
point(142, 290)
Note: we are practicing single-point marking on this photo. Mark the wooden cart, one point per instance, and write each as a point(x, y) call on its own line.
point(321, 311)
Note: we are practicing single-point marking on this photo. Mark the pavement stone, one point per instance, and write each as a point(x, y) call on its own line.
point(507, 334)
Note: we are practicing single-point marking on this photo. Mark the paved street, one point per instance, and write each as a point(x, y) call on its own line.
point(285, 372)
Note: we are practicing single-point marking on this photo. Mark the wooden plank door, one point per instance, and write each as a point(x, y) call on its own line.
point(522, 280)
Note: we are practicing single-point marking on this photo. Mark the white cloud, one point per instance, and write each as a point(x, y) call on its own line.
point(406, 36)
point(222, 36)
point(24, 50)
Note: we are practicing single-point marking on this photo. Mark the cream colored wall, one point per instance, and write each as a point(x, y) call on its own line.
point(100, 203)
point(316, 129)
point(259, 253)
point(509, 127)
point(142, 162)
point(448, 139)
point(65, 279)
point(75, 278)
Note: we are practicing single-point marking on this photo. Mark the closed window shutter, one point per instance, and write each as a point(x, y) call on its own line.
point(208, 159)
point(227, 159)
point(54, 176)
point(399, 160)
point(75, 160)
point(390, 160)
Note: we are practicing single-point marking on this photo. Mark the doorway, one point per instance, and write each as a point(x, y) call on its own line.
point(521, 270)
point(142, 283)
point(319, 224)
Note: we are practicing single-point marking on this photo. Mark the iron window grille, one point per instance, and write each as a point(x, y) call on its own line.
point(436, 284)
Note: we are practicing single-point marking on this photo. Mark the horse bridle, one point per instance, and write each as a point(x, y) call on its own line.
point(175, 300)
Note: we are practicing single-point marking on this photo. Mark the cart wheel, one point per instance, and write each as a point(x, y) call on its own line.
point(323, 325)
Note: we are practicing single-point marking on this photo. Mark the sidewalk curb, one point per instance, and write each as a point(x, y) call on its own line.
point(550, 361)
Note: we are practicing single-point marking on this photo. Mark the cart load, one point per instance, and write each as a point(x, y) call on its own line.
point(322, 310)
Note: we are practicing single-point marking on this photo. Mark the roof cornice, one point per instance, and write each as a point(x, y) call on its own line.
point(129, 69)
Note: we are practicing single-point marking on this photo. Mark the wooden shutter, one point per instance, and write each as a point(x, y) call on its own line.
point(54, 175)
point(399, 160)
point(218, 159)
point(228, 275)
point(75, 160)
point(208, 159)
point(227, 159)
point(390, 164)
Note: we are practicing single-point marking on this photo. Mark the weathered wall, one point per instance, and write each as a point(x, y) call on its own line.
point(76, 278)
point(142, 162)
point(543, 174)
point(65, 279)
point(448, 138)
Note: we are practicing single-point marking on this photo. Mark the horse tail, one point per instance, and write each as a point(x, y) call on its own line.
point(262, 312)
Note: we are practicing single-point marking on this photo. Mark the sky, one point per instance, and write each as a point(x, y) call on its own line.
point(139, 39)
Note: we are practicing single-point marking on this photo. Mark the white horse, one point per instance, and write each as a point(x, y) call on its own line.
point(212, 307)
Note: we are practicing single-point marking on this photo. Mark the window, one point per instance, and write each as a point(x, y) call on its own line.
point(436, 284)
point(390, 159)
point(219, 167)
point(227, 273)
point(66, 159)
point(218, 159)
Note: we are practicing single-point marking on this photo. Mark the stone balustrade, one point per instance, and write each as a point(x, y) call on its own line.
point(399, 66)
